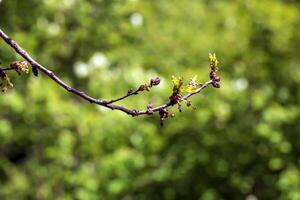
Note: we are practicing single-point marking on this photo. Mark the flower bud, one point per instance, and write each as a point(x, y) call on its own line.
point(20, 67)
point(155, 81)
point(141, 88)
point(149, 108)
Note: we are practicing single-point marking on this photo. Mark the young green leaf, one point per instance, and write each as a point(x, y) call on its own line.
point(177, 82)
point(213, 60)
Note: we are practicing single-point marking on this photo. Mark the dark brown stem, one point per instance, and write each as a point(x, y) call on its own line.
point(108, 104)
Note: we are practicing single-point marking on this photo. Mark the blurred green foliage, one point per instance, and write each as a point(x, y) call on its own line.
point(242, 142)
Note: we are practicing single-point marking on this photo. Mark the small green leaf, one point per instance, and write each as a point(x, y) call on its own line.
point(177, 82)
point(190, 89)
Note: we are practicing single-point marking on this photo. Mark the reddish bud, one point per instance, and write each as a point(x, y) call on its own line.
point(129, 91)
point(155, 81)
point(142, 88)
point(149, 108)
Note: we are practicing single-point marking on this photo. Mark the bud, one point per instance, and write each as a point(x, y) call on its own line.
point(175, 98)
point(149, 108)
point(155, 81)
point(216, 84)
point(141, 88)
point(129, 92)
point(212, 74)
point(163, 114)
point(214, 69)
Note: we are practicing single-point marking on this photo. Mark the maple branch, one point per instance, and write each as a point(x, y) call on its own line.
point(36, 66)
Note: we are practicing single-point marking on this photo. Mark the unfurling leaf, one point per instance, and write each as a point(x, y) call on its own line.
point(177, 82)
point(213, 60)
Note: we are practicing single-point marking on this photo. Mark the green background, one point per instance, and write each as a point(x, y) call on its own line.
point(242, 141)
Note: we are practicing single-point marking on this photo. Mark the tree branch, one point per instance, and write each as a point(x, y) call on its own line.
point(109, 104)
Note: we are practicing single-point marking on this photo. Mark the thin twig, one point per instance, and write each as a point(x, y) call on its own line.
point(186, 97)
point(6, 68)
point(108, 104)
point(128, 94)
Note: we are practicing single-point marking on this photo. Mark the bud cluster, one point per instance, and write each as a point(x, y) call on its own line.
point(148, 86)
point(176, 97)
point(213, 70)
point(164, 114)
point(20, 67)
